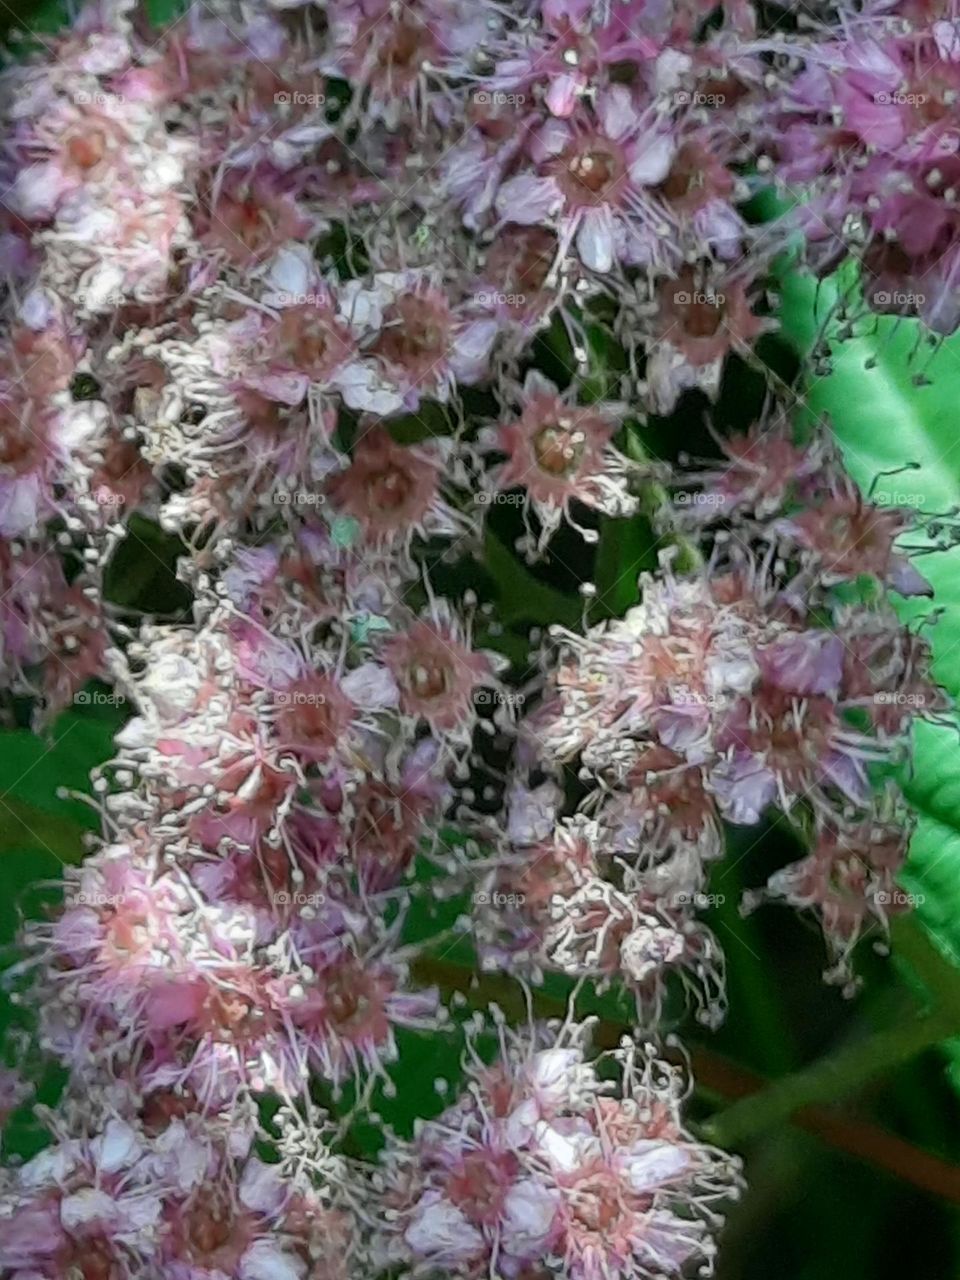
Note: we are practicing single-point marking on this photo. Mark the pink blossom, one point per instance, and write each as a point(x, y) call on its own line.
point(589, 181)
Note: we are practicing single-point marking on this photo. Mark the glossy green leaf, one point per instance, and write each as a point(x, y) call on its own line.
point(891, 399)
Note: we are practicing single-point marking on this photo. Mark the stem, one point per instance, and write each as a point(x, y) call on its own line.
point(844, 1071)
point(751, 983)
point(829, 1079)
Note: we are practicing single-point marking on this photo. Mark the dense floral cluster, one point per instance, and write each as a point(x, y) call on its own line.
point(167, 1192)
point(546, 1168)
point(755, 684)
point(867, 129)
point(313, 294)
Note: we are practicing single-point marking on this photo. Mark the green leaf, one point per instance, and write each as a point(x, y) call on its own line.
point(25, 825)
point(626, 549)
point(143, 571)
point(41, 830)
point(886, 418)
point(33, 769)
point(523, 597)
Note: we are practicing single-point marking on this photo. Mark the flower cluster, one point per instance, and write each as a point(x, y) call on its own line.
point(308, 303)
point(867, 130)
point(165, 1194)
point(777, 677)
point(544, 1167)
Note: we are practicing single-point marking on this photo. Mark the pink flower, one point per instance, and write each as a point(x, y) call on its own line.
point(436, 672)
point(560, 453)
point(389, 55)
point(698, 324)
point(39, 429)
point(391, 817)
point(513, 281)
point(393, 490)
point(249, 221)
point(848, 880)
point(846, 537)
point(87, 144)
point(880, 112)
point(758, 474)
point(575, 49)
point(84, 1205)
point(589, 179)
point(314, 717)
point(308, 343)
point(599, 1179)
point(422, 343)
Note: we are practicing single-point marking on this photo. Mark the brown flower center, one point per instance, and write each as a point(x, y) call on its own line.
point(209, 1226)
point(405, 47)
point(590, 172)
point(686, 177)
point(389, 490)
point(350, 999)
point(20, 448)
point(249, 225)
point(704, 317)
point(597, 1205)
point(429, 679)
point(559, 448)
point(87, 149)
point(414, 333)
point(309, 338)
point(522, 258)
point(91, 1260)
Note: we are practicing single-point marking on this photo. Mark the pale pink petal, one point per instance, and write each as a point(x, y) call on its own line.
point(618, 115)
point(595, 239)
point(650, 160)
point(439, 1229)
point(266, 1260)
point(261, 1187)
point(528, 200)
point(549, 140)
point(563, 94)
